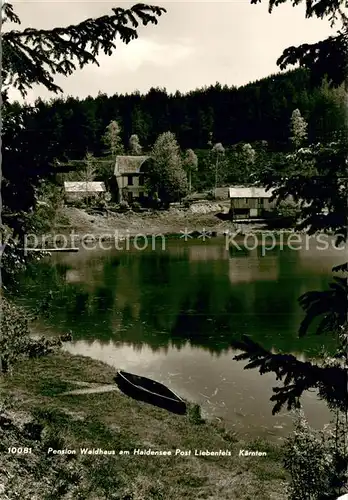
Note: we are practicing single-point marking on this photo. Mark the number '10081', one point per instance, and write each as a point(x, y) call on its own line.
point(19, 451)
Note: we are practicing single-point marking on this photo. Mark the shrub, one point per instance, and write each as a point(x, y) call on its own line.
point(124, 206)
point(317, 460)
point(195, 415)
point(99, 203)
point(78, 203)
point(114, 207)
point(288, 210)
point(14, 334)
point(136, 206)
point(48, 199)
point(15, 340)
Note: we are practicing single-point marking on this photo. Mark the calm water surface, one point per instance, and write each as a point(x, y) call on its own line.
point(173, 314)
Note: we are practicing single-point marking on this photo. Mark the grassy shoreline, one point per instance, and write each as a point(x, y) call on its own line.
point(112, 421)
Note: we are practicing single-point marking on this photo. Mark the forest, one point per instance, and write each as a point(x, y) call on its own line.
point(259, 114)
point(259, 111)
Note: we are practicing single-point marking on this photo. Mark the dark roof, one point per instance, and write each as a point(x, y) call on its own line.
point(129, 164)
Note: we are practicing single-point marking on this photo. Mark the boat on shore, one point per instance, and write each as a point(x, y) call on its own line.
point(150, 391)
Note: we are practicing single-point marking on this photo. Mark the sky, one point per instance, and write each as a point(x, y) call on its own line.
point(195, 44)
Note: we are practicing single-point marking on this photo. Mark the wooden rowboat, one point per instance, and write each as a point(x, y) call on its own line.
point(150, 391)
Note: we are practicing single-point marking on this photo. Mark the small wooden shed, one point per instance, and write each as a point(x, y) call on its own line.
point(250, 202)
point(81, 190)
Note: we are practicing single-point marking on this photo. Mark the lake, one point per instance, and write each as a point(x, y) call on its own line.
point(173, 314)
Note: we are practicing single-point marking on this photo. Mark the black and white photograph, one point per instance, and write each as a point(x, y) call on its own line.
point(173, 250)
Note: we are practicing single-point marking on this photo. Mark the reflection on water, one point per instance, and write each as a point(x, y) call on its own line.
point(251, 269)
point(173, 315)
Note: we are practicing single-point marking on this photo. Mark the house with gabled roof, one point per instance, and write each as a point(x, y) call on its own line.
point(248, 202)
point(129, 174)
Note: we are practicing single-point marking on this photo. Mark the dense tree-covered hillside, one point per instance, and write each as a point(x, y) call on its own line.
point(257, 111)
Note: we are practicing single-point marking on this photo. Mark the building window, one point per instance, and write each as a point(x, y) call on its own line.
point(129, 180)
point(141, 180)
point(141, 194)
point(130, 197)
point(246, 200)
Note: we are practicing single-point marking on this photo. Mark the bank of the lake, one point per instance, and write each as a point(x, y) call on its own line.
point(81, 224)
point(103, 424)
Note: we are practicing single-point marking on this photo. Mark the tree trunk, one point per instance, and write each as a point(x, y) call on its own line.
point(1, 313)
point(216, 170)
